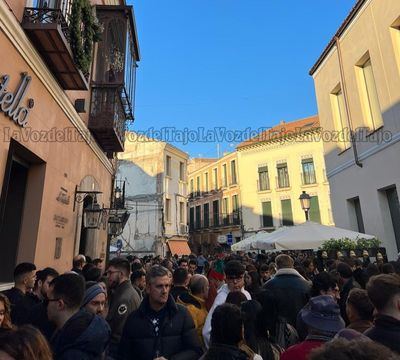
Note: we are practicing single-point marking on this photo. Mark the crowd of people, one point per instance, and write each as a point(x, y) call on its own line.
point(288, 306)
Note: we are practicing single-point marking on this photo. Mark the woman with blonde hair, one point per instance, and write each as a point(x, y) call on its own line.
point(5, 313)
point(24, 343)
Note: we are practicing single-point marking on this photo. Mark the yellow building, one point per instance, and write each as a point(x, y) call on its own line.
point(214, 202)
point(357, 83)
point(275, 168)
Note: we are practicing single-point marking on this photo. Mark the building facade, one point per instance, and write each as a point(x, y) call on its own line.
point(214, 202)
point(357, 83)
point(58, 133)
point(275, 168)
point(155, 175)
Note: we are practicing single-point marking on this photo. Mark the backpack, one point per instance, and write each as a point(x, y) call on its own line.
point(285, 334)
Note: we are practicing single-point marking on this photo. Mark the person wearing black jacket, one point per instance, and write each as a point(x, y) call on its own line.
point(80, 334)
point(160, 328)
point(21, 303)
point(288, 289)
point(384, 293)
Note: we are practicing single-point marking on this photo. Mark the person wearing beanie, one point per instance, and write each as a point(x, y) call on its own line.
point(234, 274)
point(95, 299)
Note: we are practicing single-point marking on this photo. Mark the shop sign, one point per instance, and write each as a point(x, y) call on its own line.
point(10, 102)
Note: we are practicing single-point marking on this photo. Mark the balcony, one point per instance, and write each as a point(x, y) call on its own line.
point(113, 79)
point(48, 30)
point(216, 221)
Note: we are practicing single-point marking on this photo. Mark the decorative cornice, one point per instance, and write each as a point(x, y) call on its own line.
point(14, 32)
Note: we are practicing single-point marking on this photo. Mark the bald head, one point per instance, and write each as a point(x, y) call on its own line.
point(199, 285)
point(78, 261)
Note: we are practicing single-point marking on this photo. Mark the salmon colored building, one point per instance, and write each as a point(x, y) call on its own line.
point(62, 119)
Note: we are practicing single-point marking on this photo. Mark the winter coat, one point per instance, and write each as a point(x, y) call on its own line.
point(224, 352)
point(223, 292)
point(177, 291)
point(290, 292)
point(302, 350)
point(123, 301)
point(197, 309)
point(386, 330)
point(176, 339)
point(84, 336)
point(21, 305)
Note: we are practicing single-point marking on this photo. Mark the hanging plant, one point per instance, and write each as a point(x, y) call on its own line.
point(84, 29)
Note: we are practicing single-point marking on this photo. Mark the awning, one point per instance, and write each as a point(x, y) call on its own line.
point(179, 247)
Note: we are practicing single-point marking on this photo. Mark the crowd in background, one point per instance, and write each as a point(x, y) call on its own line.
point(272, 306)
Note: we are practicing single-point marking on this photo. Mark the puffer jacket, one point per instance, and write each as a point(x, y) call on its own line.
point(176, 340)
point(84, 336)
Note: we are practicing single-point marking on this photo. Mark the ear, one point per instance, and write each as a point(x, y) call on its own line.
point(40, 283)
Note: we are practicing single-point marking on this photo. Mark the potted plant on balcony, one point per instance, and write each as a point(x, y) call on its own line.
point(84, 30)
point(345, 245)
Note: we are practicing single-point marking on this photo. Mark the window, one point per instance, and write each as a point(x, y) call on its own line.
point(235, 210)
point(283, 176)
point(191, 218)
point(181, 171)
point(206, 189)
point(225, 210)
point(356, 214)
point(168, 166)
point(182, 212)
point(308, 171)
point(168, 209)
point(267, 220)
point(216, 212)
point(287, 215)
point(206, 214)
point(198, 217)
point(263, 178)
point(215, 180)
point(224, 176)
point(314, 213)
point(394, 210)
point(369, 96)
point(235, 203)
point(198, 186)
point(233, 172)
point(340, 118)
point(191, 187)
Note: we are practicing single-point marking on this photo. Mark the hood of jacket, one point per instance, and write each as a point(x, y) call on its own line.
point(84, 332)
point(189, 299)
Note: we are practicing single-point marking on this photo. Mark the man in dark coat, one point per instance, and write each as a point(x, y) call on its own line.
point(160, 328)
point(289, 290)
point(80, 334)
point(180, 280)
point(21, 303)
point(384, 293)
point(123, 300)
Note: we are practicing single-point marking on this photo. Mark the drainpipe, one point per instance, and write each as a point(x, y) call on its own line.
point(346, 104)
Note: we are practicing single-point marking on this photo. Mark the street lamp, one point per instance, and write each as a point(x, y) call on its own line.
point(305, 201)
point(92, 215)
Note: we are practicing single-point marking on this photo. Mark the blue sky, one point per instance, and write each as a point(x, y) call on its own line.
point(207, 65)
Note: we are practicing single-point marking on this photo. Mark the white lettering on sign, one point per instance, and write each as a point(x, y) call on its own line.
point(10, 103)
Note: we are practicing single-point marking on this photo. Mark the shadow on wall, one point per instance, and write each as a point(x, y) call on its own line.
point(365, 198)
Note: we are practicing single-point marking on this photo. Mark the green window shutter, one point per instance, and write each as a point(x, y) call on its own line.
point(314, 210)
point(287, 215)
point(267, 220)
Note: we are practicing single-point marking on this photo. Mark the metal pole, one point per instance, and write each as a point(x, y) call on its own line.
point(307, 216)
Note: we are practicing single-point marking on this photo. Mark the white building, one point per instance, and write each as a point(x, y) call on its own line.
point(155, 175)
point(357, 83)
